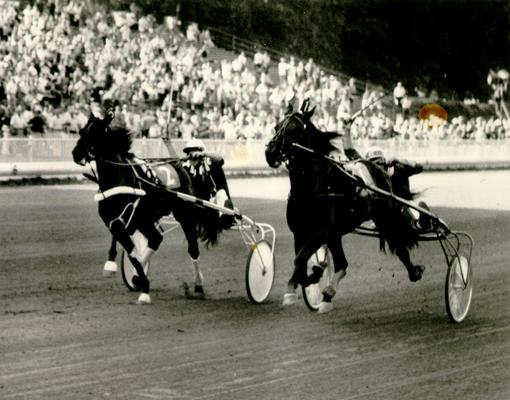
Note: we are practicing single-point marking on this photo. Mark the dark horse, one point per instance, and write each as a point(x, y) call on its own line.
point(209, 183)
point(324, 203)
point(132, 198)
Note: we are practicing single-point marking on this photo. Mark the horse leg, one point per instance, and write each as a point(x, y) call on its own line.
point(291, 296)
point(190, 231)
point(415, 271)
point(110, 266)
point(340, 263)
point(154, 239)
point(299, 275)
point(141, 280)
point(141, 257)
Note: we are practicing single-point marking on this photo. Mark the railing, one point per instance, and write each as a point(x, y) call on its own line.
point(30, 157)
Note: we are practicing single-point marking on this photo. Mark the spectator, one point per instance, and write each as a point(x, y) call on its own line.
point(186, 127)
point(399, 93)
point(59, 55)
point(18, 123)
point(4, 117)
point(37, 124)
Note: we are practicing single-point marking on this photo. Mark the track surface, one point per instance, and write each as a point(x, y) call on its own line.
point(68, 333)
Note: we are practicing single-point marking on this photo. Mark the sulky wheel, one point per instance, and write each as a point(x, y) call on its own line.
point(458, 288)
point(312, 294)
point(260, 271)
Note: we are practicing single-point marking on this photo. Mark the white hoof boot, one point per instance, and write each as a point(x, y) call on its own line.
point(110, 268)
point(143, 299)
point(289, 299)
point(325, 307)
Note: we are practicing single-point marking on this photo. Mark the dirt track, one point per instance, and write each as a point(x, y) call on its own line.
point(68, 333)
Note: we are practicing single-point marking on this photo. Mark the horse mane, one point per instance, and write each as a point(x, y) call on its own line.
point(321, 140)
point(118, 139)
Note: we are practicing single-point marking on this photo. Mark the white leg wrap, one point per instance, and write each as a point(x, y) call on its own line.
point(325, 307)
point(290, 298)
point(146, 256)
point(198, 278)
point(144, 299)
point(109, 269)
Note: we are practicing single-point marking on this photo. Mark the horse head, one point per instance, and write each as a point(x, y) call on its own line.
point(291, 129)
point(99, 140)
point(297, 128)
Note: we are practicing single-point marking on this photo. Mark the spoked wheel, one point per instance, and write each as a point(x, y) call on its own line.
point(458, 288)
point(312, 294)
point(127, 268)
point(260, 271)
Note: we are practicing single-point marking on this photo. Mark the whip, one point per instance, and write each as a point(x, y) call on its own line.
point(361, 110)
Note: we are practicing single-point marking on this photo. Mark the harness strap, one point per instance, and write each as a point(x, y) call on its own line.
point(125, 217)
point(118, 190)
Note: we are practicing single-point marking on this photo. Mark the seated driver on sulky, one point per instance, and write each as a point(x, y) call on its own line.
point(206, 171)
point(399, 172)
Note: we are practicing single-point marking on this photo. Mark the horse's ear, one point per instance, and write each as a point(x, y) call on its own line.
point(305, 106)
point(308, 114)
point(290, 109)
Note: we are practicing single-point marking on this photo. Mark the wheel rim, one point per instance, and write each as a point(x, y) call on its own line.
point(260, 271)
point(459, 289)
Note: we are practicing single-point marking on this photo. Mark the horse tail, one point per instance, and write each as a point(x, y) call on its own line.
point(395, 230)
point(211, 224)
point(208, 227)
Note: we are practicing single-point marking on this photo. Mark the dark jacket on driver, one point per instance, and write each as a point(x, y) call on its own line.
point(402, 170)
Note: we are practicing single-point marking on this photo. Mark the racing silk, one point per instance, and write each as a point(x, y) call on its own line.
point(206, 172)
point(359, 169)
point(399, 172)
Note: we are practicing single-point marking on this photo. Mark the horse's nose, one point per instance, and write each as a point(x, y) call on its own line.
point(78, 155)
point(271, 158)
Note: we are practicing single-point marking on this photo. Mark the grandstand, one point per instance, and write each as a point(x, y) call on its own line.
point(62, 60)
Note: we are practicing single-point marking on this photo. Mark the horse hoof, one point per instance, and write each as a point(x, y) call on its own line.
point(199, 292)
point(289, 299)
point(325, 307)
point(417, 273)
point(109, 269)
point(144, 299)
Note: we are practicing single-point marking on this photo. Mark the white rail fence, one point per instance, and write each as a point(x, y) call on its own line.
point(36, 156)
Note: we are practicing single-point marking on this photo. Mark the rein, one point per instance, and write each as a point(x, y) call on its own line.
point(158, 161)
point(286, 122)
point(282, 129)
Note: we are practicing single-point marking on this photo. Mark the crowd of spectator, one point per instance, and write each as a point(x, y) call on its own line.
point(62, 59)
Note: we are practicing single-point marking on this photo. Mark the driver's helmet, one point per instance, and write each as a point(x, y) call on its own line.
point(194, 145)
point(375, 154)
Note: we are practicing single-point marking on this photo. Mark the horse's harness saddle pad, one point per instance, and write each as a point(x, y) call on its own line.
point(168, 176)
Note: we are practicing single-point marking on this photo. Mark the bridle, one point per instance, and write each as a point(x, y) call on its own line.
point(282, 156)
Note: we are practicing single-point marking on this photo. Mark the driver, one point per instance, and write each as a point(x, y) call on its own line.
point(399, 172)
point(207, 170)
